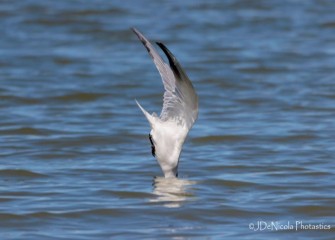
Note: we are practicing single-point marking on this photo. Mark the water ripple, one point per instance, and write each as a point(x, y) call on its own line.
point(75, 160)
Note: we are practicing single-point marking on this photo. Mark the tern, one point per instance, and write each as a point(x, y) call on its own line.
point(179, 112)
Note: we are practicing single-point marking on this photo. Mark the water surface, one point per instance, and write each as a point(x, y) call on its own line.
point(75, 161)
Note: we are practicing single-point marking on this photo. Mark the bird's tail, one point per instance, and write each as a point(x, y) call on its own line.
point(146, 114)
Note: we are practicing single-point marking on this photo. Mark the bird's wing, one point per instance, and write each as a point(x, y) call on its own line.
point(180, 103)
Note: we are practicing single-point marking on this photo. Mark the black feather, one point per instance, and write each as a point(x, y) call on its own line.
point(171, 58)
point(153, 150)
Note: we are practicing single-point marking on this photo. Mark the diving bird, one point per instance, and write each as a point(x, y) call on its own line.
point(179, 112)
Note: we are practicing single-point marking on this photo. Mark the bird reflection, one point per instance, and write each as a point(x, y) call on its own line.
point(172, 191)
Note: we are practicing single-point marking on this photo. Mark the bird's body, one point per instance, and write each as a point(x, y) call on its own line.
point(180, 110)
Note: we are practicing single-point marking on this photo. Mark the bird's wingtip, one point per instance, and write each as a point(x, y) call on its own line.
point(172, 59)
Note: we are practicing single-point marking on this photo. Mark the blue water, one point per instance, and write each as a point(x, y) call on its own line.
point(75, 160)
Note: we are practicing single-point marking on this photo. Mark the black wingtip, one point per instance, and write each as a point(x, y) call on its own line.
point(171, 58)
point(166, 51)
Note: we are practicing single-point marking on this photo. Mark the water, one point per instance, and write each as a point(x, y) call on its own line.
point(75, 161)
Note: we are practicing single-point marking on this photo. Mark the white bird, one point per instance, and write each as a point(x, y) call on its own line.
point(179, 112)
